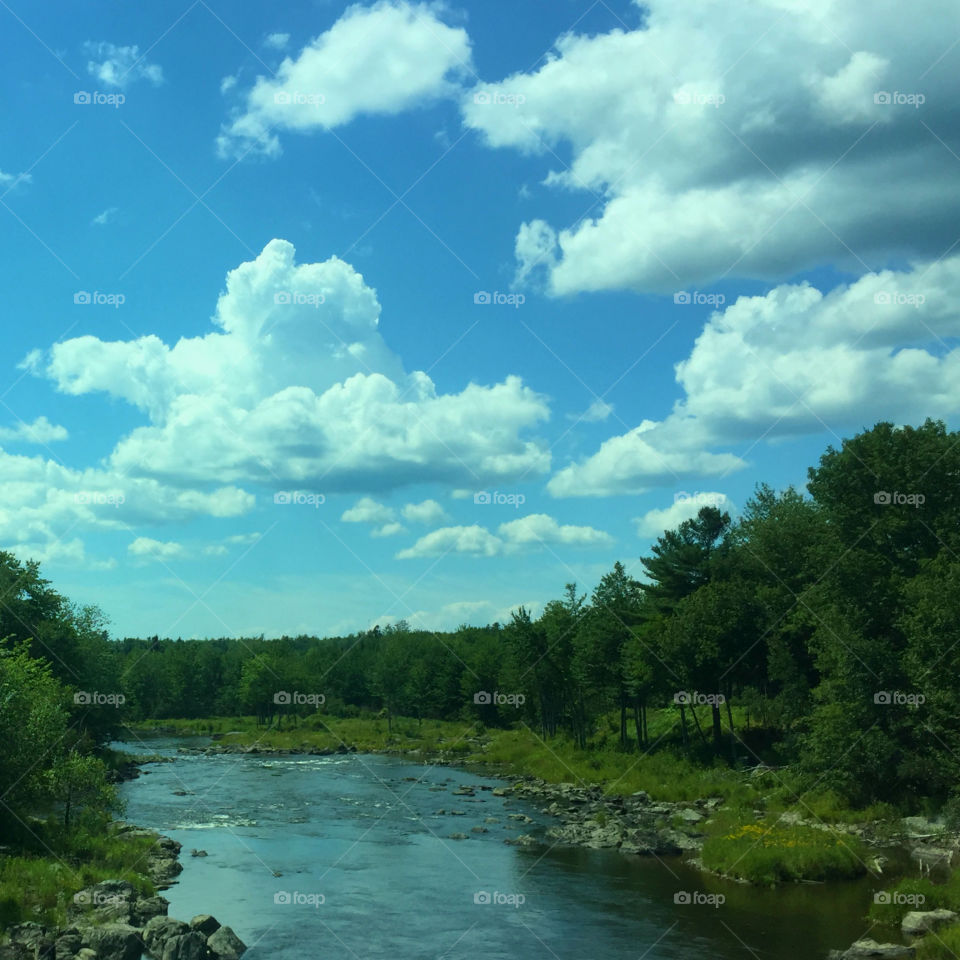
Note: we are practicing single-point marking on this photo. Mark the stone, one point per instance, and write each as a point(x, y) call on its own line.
point(457, 836)
point(918, 922)
point(159, 930)
point(114, 941)
point(204, 923)
point(185, 946)
point(871, 950)
point(224, 944)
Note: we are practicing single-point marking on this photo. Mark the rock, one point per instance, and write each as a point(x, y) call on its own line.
point(478, 830)
point(149, 907)
point(224, 944)
point(114, 941)
point(500, 791)
point(690, 815)
point(523, 840)
point(205, 924)
point(67, 945)
point(490, 820)
point(86, 953)
point(198, 853)
point(15, 951)
point(918, 922)
point(185, 946)
point(457, 836)
point(158, 931)
point(867, 949)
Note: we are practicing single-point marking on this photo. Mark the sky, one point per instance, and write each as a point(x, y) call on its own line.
point(318, 316)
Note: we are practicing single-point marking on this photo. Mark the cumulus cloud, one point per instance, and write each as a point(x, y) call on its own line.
point(597, 412)
point(116, 66)
point(294, 388)
point(749, 139)
point(101, 219)
point(381, 59)
point(794, 361)
point(40, 430)
point(428, 512)
point(277, 41)
point(514, 536)
point(451, 615)
point(148, 548)
point(368, 510)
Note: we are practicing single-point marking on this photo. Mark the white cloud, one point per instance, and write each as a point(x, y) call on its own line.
point(474, 540)
point(539, 528)
point(597, 412)
point(479, 613)
point(277, 41)
point(294, 384)
point(41, 430)
point(116, 66)
point(533, 530)
point(738, 139)
point(685, 507)
point(148, 548)
point(381, 59)
point(368, 510)
point(428, 512)
point(228, 83)
point(792, 362)
point(388, 530)
point(103, 218)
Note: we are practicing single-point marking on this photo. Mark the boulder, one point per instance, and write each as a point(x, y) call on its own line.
point(149, 907)
point(871, 950)
point(205, 924)
point(114, 941)
point(224, 944)
point(67, 945)
point(158, 931)
point(918, 922)
point(185, 946)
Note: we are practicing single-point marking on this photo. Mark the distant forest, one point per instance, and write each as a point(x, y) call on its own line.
point(818, 630)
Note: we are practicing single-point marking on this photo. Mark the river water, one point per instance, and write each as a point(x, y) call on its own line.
point(349, 858)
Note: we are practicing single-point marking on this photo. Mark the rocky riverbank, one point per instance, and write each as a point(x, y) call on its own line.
point(111, 921)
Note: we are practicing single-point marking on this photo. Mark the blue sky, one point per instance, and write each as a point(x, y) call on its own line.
point(288, 289)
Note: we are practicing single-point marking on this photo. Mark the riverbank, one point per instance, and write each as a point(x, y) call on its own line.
point(116, 919)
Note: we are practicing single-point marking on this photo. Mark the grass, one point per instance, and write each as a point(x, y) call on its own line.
point(913, 893)
point(39, 887)
point(768, 854)
point(942, 945)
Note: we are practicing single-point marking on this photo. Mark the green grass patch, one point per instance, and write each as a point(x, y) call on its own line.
point(39, 888)
point(913, 893)
point(768, 854)
point(942, 945)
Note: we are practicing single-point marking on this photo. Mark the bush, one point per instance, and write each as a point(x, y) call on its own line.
point(944, 945)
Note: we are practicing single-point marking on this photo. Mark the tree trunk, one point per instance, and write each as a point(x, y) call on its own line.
point(717, 728)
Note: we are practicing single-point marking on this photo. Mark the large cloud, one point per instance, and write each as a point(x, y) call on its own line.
point(795, 361)
point(296, 389)
point(738, 138)
point(382, 59)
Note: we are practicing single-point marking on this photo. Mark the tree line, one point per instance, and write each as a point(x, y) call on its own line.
point(820, 630)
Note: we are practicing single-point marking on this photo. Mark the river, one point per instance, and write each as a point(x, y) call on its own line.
point(349, 858)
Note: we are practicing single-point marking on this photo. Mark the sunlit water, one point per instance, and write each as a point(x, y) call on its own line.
point(344, 857)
